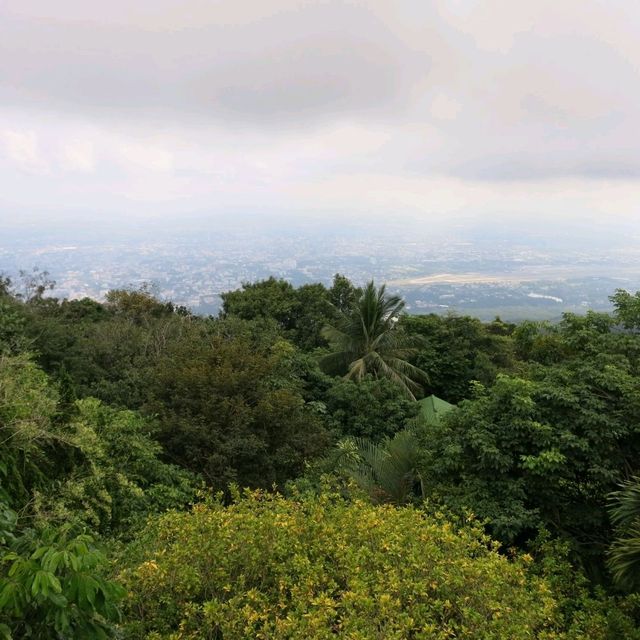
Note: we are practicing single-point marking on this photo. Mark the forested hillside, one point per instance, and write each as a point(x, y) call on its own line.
point(315, 463)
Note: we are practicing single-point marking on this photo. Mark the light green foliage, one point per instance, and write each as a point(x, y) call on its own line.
point(366, 341)
point(52, 586)
point(266, 567)
point(627, 308)
point(101, 468)
point(117, 478)
point(12, 327)
point(27, 406)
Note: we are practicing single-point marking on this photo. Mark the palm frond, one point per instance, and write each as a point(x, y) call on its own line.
point(366, 340)
point(624, 555)
point(624, 558)
point(387, 470)
point(624, 505)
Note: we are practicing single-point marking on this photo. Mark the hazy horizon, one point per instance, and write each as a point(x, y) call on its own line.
point(200, 144)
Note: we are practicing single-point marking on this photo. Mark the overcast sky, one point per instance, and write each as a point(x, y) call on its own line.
point(512, 108)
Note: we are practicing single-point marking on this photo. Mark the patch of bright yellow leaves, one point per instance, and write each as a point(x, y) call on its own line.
point(324, 568)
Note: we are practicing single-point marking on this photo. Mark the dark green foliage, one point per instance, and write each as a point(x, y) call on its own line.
point(233, 410)
point(105, 349)
point(539, 342)
point(544, 452)
point(343, 295)
point(458, 350)
point(370, 408)
point(267, 298)
point(300, 313)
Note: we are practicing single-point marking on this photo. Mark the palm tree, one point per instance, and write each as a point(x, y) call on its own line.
point(624, 555)
point(366, 341)
point(387, 471)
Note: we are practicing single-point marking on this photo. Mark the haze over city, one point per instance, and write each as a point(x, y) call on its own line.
point(476, 164)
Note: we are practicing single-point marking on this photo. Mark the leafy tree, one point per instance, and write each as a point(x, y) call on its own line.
point(544, 452)
point(627, 308)
point(53, 584)
point(138, 305)
point(27, 442)
point(343, 295)
point(233, 409)
point(314, 311)
point(300, 313)
point(457, 350)
point(540, 342)
point(13, 338)
point(116, 477)
point(372, 408)
point(100, 469)
point(105, 350)
point(269, 298)
point(366, 341)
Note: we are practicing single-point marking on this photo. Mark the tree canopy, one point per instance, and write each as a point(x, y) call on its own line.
point(127, 426)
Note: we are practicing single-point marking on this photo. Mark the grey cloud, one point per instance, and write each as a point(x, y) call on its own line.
point(480, 90)
point(328, 59)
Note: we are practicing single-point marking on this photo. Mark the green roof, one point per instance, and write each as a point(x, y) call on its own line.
point(432, 409)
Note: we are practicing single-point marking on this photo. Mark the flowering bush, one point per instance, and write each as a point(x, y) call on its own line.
point(322, 567)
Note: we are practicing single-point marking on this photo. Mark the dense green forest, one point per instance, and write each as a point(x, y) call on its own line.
point(315, 463)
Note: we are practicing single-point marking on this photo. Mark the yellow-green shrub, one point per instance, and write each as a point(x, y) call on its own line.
point(320, 567)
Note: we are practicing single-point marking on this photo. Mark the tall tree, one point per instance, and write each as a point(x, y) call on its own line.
point(367, 341)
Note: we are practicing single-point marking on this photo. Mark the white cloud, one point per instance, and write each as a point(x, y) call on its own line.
point(78, 155)
point(22, 149)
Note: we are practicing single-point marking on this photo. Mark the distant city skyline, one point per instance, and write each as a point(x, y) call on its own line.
point(473, 269)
